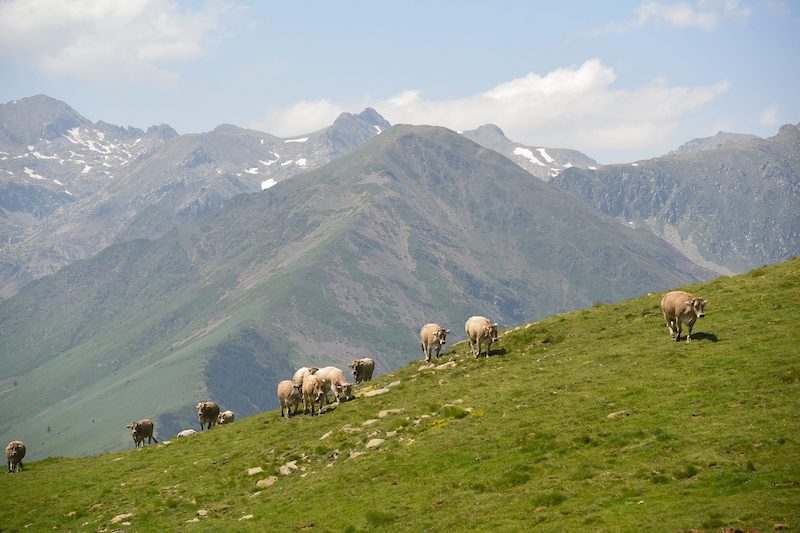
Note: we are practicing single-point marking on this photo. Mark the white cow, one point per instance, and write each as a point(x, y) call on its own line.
point(480, 329)
point(341, 388)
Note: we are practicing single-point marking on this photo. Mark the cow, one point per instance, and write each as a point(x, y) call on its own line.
point(362, 369)
point(207, 413)
point(186, 433)
point(680, 307)
point(15, 452)
point(432, 336)
point(301, 373)
point(143, 429)
point(341, 388)
point(314, 391)
point(290, 395)
point(480, 329)
point(225, 417)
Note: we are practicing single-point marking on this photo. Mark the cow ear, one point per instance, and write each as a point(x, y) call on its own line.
point(687, 303)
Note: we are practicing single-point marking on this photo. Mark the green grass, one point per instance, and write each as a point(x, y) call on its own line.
point(704, 435)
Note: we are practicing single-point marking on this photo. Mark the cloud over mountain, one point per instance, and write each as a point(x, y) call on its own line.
point(575, 106)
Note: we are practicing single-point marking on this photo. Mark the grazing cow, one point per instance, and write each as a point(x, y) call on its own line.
point(143, 429)
point(225, 417)
point(341, 388)
point(314, 391)
point(15, 452)
point(186, 433)
point(301, 373)
point(680, 307)
point(432, 336)
point(207, 413)
point(480, 329)
point(362, 369)
point(290, 395)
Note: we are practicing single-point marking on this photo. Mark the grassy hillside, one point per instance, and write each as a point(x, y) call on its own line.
point(590, 420)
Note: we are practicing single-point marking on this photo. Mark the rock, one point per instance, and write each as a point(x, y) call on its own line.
point(246, 517)
point(393, 384)
point(374, 443)
point(202, 512)
point(425, 367)
point(387, 412)
point(348, 429)
point(195, 519)
point(778, 527)
point(375, 392)
point(255, 470)
point(445, 366)
point(288, 468)
point(120, 517)
point(391, 433)
point(370, 422)
point(326, 435)
point(71, 514)
point(353, 455)
point(266, 482)
point(618, 414)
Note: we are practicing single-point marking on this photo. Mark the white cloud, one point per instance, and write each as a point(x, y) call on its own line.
point(136, 40)
point(769, 117)
point(705, 15)
point(572, 107)
point(303, 117)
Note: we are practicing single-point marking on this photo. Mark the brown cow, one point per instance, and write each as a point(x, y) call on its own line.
point(432, 336)
point(480, 329)
point(315, 390)
point(143, 429)
point(15, 452)
point(680, 307)
point(362, 369)
point(289, 395)
point(207, 413)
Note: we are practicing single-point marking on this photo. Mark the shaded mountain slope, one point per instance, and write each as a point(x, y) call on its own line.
point(731, 207)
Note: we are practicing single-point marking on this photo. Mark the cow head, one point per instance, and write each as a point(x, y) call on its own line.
point(441, 335)
point(696, 306)
point(312, 370)
point(493, 331)
point(14, 450)
point(347, 390)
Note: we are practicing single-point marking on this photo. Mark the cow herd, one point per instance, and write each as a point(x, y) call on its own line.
point(312, 386)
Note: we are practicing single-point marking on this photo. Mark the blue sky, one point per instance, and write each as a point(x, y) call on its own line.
point(620, 80)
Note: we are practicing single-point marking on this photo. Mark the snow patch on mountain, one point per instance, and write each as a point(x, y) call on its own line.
point(527, 154)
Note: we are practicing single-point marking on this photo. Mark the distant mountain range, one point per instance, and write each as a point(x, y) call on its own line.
point(70, 187)
point(730, 203)
point(145, 270)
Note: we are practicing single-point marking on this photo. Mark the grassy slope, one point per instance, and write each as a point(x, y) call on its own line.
point(711, 438)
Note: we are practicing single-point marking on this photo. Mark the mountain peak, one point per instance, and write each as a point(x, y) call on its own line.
point(33, 118)
point(721, 138)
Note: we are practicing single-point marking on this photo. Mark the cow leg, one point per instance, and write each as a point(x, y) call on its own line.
point(488, 347)
point(689, 326)
point(438, 349)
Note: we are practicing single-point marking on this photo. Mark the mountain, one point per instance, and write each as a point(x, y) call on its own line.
point(728, 206)
point(722, 138)
point(70, 187)
point(591, 420)
point(419, 224)
point(544, 163)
